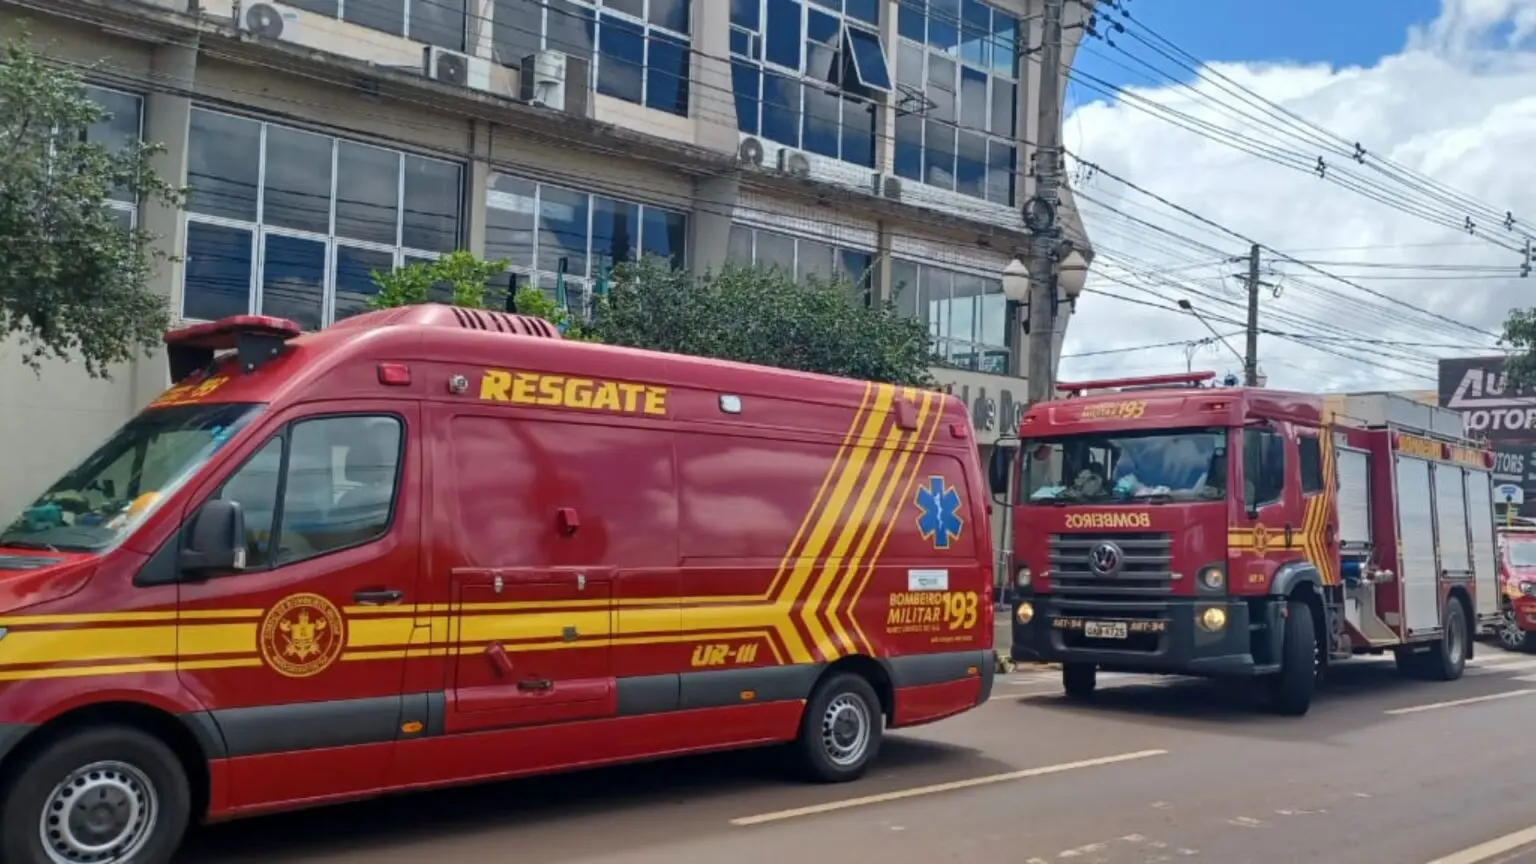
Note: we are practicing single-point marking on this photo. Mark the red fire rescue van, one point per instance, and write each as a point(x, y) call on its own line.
point(433, 545)
point(1170, 527)
point(1517, 579)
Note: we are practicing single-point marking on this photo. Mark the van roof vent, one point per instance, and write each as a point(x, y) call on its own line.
point(504, 322)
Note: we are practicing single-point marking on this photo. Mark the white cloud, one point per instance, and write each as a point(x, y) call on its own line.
point(1457, 104)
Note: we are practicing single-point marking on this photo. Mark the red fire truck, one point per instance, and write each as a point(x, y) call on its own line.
point(435, 545)
point(1517, 581)
point(1165, 526)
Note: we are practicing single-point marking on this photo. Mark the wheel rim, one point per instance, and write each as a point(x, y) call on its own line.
point(845, 730)
point(1510, 635)
point(1455, 639)
point(102, 813)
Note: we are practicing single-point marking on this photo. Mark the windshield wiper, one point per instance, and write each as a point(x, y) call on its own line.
point(28, 544)
point(1153, 498)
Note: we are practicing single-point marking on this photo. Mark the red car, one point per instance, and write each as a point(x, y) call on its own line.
point(1517, 578)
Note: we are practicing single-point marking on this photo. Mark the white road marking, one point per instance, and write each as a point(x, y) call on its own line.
point(937, 788)
point(1496, 846)
point(1453, 703)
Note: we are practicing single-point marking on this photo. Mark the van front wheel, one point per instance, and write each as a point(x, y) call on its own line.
point(840, 731)
point(110, 795)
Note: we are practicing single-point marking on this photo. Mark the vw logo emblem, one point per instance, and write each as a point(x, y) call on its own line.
point(1104, 559)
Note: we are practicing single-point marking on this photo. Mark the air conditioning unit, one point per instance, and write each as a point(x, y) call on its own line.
point(556, 80)
point(266, 20)
point(452, 67)
point(887, 186)
point(794, 163)
point(751, 152)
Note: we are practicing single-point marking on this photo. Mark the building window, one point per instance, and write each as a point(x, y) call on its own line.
point(291, 223)
point(123, 126)
point(957, 95)
point(567, 242)
point(966, 314)
point(809, 74)
point(435, 22)
point(800, 256)
point(640, 50)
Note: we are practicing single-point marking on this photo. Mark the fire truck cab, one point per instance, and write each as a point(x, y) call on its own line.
point(1163, 525)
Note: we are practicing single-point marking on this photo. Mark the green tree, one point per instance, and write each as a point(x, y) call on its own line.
point(765, 317)
point(466, 279)
point(73, 282)
point(1520, 336)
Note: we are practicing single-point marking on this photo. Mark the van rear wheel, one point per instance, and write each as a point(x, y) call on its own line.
point(110, 795)
point(840, 730)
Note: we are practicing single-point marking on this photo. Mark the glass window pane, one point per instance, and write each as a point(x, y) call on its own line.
point(615, 233)
point(976, 33)
point(858, 132)
point(784, 33)
point(909, 67)
point(438, 22)
point(667, 74)
point(943, 24)
point(909, 146)
point(562, 231)
point(1005, 49)
point(747, 13)
point(367, 193)
point(340, 486)
point(941, 88)
point(620, 72)
point(910, 20)
point(385, 15)
point(867, 11)
point(904, 286)
point(516, 28)
point(823, 48)
point(671, 14)
point(971, 165)
point(937, 288)
point(1005, 106)
point(1001, 172)
point(992, 315)
point(775, 250)
point(354, 278)
point(431, 205)
point(223, 165)
point(781, 109)
point(746, 80)
point(666, 234)
point(738, 249)
point(939, 155)
point(856, 267)
point(572, 29)
point(814, 259)
point(124, 218)
point(820, 122)
point(869, 59)
point(628, 7)
point(509, 220)
point(293, 279)
point(974, 104)
point(968, 291)
point(119, 129)
point(328, 8)
point(298, 180)
point(218, 272)
point(254, 487)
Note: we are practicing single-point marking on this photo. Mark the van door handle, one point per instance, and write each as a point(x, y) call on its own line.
point(377, 596)
point(537, 686)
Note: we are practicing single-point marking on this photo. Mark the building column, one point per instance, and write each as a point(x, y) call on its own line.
point(709, 223)
point(479, 184)
point(885, 252)
point(885, 113)
point(712, 97)
point(167, 118)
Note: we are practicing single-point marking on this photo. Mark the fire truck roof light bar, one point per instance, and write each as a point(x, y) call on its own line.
point(255, 339)
point(1188, 379)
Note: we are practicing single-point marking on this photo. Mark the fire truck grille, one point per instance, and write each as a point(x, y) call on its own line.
point(1142, 565)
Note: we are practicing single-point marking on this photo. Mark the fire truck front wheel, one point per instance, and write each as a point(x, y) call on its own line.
point(106, 795)
point(840, 730)
point(1291, 689)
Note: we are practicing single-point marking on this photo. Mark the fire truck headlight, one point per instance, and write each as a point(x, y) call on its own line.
point(1026, 613)
point(1213, 619)
point(1023, 577)
point(1213, 579)
point(1528, 589)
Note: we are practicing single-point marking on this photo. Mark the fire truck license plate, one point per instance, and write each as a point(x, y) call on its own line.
point(1105, 629)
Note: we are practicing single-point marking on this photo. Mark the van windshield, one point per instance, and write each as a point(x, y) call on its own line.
point(1522, 553)
point(1144, 466)
point(98, 502)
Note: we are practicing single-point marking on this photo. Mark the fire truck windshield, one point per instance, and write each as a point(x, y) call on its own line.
point(1156, 466)
point(95, 505)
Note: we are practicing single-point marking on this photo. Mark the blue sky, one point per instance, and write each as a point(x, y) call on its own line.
point(1339, 32)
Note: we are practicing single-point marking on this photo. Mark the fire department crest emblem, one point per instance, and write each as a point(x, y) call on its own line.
point(302, 635)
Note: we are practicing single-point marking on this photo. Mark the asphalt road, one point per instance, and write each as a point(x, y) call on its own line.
point(1383, 771)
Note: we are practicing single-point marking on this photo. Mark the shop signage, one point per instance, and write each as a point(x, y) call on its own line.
point(996, 402)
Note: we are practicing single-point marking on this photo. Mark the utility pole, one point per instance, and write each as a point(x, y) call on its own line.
point(1040, 211)
point(1251, 358)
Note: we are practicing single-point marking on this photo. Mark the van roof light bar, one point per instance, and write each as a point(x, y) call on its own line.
point(255, 339)
point(1186, 379)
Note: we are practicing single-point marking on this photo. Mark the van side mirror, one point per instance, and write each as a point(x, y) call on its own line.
point(1000, 469)
point(215, 541)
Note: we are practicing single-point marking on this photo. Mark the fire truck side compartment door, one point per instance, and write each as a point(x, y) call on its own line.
point(1418, 573)
point(1485, 558)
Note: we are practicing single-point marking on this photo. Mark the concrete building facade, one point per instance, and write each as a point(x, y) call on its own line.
point(323, 139)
